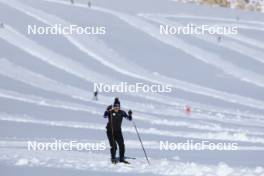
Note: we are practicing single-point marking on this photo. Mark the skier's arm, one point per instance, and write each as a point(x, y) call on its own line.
point(129, 116)
point(106, 113)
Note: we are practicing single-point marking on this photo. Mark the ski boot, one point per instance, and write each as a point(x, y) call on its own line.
point(123, 161)
point(113, 161)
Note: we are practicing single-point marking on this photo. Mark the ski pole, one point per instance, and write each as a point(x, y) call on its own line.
point(134, 124)
point(113, 136)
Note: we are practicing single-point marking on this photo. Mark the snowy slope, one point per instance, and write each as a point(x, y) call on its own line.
point(249, 5)
point(46, 87)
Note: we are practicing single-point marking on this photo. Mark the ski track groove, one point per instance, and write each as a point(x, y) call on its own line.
point(245, 50)
point(161, 99)
point(40, 101)
point(157, 98)
point(157, 79)
point(161, 80)
point(237, 137)
point(204, 56)
point(36, 80)
point(241, 38)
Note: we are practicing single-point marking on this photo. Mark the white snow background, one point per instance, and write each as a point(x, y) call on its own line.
point(46, 87)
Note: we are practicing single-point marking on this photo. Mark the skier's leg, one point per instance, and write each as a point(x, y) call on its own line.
point(121, 145)
point(112, 144)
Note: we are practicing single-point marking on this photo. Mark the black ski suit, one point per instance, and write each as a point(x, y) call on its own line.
point(115, 135)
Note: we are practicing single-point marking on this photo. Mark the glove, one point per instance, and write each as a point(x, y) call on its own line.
point(109, 107)
point(130, 115)
point(129, 112)
point(129, 118)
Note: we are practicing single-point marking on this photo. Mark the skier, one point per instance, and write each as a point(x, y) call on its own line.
point(114, 132)
point(96, 95)
point(72, 1)
point(89, 4)
point(219, 38)
point(1, 25)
